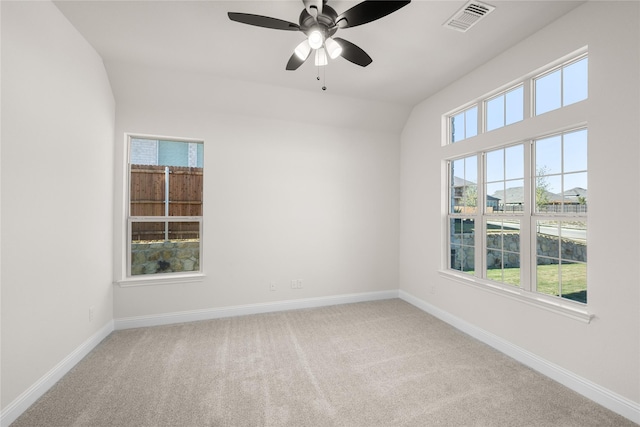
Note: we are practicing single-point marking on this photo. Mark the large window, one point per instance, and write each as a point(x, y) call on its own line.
point(531, 230)
point(517, 211)
point(164, 226)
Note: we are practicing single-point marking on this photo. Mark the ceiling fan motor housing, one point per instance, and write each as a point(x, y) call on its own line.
point(326, 22)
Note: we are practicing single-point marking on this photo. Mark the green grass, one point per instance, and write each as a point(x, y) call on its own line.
point(574, 279)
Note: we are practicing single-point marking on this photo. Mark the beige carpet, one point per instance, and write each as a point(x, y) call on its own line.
point(383, 363)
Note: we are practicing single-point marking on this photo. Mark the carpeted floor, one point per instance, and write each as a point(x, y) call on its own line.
point(383, 363)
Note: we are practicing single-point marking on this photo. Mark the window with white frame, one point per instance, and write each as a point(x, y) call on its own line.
point(463, 124)
point(517, 212)
point(505, 109)
point(164, 213)
point(561, 86)
point(531, 230)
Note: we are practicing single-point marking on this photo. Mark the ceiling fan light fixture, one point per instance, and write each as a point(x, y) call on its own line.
point(303, 49)
point(316, 39)
point(321, 57)
point(333, 48)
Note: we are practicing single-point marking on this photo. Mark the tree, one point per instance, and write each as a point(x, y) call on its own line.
point(542, 188)
point(471, 196)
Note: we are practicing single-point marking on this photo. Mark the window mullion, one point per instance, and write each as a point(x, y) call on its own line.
point(527, 239)
point(479, 220)
point(528, 98)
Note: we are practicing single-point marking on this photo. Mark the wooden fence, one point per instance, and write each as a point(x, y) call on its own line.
point(148, 197)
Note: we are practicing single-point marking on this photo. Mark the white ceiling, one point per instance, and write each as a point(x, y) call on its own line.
point(414, 56)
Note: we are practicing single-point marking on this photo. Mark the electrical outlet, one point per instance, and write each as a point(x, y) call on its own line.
point(92, 311)
point(272, 286)
point(299, 284)
point(296, 284)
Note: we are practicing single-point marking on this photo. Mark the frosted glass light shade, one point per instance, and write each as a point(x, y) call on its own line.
point(321, 57)
point(333, 48)
point(302, 50)
point(315, 39)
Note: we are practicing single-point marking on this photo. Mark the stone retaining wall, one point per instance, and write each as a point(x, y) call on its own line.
point(165, 257)
point(547, 250)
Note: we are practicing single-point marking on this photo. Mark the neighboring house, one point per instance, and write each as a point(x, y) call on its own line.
point(166, 153)
point(462, 186)
point(575, 196)
point(513, 199)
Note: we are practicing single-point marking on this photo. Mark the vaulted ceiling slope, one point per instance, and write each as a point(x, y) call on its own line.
point(414, 55)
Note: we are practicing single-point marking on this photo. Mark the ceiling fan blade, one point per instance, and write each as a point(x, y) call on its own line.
point(295, 62)
point(368, 11)
point(263, 21)
point(314, 7)
point(353, 53)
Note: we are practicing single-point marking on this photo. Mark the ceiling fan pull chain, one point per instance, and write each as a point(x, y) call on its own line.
point(324, 78)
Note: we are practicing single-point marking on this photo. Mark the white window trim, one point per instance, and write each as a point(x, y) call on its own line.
point(532, 127)
point(126, 280)
point(526, 291)
point(560, 306)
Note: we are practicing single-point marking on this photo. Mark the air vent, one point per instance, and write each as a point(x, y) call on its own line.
point(468, 16)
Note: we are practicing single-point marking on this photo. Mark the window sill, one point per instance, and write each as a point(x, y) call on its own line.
point(555, 305)
point(160, 279)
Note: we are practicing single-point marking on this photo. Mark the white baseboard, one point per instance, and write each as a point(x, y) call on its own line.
point(610, 400)
point(40, 387)
point(242, 310)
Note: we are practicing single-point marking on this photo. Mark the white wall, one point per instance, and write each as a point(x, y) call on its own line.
point(285, 198)
point(57, 181)
point(606, 351)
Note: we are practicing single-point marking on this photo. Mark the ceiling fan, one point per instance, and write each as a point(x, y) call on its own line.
point(319, 23)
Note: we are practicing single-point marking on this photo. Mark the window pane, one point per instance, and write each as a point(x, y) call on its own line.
point(575, 151)
point(173, 153)
point(573, 245)
point(471, 122)
point(574, 184)
point(457, 168)
point(503, 251)
point(514, 105)
point(514, 160)
point(514, 196)
point(547, 193)
point(463, 191)
point(456, 257)
point(549, 155)
point(494, 265)
point(164, 247)
point(462, 236)
point(147, 190)
point(548, 277)
point(547, 89)
point(471, 169)
point(495, 113)
point(457, 127)
point(575, 82)
point(562, 259)
point(164, 178)
point(143, 152)
point(495, 165)
point(185, 191)
point(148, 195)
point(547, 239)
point(471, 199)
point(575, 198)
point(573, 279)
